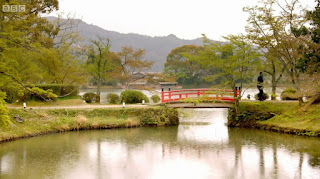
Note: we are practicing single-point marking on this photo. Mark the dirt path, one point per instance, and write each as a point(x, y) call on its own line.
point(84, 106)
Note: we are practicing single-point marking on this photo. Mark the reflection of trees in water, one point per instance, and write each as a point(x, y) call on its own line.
point(41, 156)
point(314, 161)
point(275, 160)
point(53, 150)
point(265, 139)
point(238, 138)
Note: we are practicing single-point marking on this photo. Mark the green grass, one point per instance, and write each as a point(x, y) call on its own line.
point(295, 118)
point(44, 121)
point(285, 117)
point(268, 106)
point(59, 102)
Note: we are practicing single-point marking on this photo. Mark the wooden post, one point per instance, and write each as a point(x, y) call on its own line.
point(162, 95)
point(236, 95)
point(169, 94)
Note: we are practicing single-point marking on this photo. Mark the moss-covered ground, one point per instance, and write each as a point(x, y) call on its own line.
point(43, 121)
point(286, 117)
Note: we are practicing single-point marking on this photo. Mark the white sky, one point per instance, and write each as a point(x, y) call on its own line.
point(186, 19)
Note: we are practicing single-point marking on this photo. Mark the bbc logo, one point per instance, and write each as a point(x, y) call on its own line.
point(13, 8)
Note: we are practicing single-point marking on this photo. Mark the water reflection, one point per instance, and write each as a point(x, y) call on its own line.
point(203, 126)
point(201, 147)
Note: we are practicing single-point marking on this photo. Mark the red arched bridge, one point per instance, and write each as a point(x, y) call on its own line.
point(214, 98)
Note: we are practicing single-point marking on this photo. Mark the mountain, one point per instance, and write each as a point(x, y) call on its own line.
point(156, 48)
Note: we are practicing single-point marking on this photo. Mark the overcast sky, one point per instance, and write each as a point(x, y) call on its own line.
point(186, 19)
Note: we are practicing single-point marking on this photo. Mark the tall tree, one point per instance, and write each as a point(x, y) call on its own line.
point(310, 63)
point(60, 63)
point(272, 66)
point(271, 25)
point(131, 62)
point(101, 62)
point(21, 33)
point(181, 67)
point(235, 62)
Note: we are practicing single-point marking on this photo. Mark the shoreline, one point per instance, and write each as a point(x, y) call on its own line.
point(278, 117)
point(281, 117)
point(47, 121)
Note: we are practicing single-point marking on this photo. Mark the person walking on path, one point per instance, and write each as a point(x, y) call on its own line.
point(260, 87)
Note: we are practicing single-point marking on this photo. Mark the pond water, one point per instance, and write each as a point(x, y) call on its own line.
point(200, 147)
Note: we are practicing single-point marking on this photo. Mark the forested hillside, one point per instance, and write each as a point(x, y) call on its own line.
point(156, 48)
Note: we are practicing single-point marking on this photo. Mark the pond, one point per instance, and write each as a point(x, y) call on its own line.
point(200, 147)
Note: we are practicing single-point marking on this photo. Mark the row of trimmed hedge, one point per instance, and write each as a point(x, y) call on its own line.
point(128, 96)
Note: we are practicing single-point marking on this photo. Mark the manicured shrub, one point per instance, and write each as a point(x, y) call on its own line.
point(113, 98)
point(131, 97)
point(264, 96)
point(89, 97)
point(289, 94)
point(155, 98)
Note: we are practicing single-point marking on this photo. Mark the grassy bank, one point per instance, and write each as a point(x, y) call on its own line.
point(74, 101)
point(44, 121)
point(278, 116)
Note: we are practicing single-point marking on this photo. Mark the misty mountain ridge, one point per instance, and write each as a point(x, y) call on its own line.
point(156, 48)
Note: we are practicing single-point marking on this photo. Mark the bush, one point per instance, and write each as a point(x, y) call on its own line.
point(289, 90)
point(113, 98)
point(316, 101)
point(264, 96)
point(89, 97)
point(161, 117)
point(11, 94)
point(289, 94)
point(155, 98)
point(131, 97)
point(4, 113)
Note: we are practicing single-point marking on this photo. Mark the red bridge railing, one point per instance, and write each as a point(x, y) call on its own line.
point(207, 94)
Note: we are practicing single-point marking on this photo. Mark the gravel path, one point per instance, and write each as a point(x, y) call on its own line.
point(84, 106)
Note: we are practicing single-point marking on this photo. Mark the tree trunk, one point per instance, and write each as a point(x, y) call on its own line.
point(236, 100)
point(274, 87)
point(236, 104)
point(98, 92)
point(300, 101)
point(127, 85)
